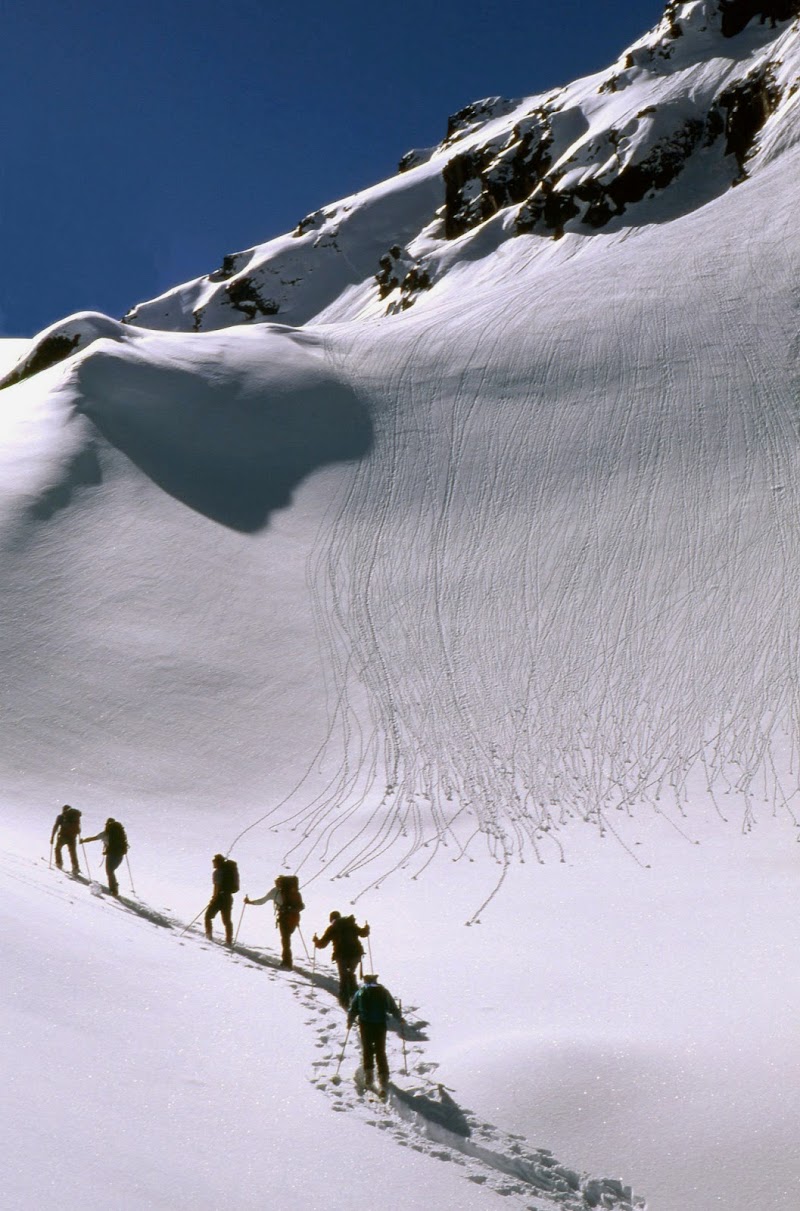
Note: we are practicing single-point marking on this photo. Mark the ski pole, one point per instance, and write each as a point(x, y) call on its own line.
point(86, 860)
point(403, 1037)
point(302, 939)
point(336, 1079)
point(369, 948)
point(191, 923)
point(50, 861)
point(130, 874)
point(239, 926)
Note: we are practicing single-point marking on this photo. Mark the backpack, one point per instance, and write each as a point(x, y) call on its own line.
point(230, 877)
point(117, 842)
point(288, 902)
point(372, 1006)
point(347, 941)
point(70, 822)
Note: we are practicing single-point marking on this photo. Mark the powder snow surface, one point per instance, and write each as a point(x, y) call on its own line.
point(481, 616)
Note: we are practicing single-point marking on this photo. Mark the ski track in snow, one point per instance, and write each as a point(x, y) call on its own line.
point(421, 1115)
point(652, 506)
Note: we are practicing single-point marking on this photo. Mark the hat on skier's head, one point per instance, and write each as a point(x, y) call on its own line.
point(218, 858)
point(370, 978)
point(110, 820)
point(334, 916)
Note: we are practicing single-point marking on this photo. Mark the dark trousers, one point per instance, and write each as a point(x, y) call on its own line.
point(347, 981)
point(72, 846)
point(286, 929)
point(221, 903)
point(373, 1051)
point(112, 862)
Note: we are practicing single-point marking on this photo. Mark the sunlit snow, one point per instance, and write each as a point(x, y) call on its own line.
point(457, 574)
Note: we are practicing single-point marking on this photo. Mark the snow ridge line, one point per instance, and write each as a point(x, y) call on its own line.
point(424, 1116)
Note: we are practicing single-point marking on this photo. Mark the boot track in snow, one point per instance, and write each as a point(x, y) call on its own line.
point(423, 1115)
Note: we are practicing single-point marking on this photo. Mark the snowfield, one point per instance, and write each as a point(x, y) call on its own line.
point(461, 581)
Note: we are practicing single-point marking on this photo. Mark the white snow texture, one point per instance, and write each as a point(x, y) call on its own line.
point(443, 552)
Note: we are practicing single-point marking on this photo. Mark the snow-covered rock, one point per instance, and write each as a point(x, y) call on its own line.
point(692, 102)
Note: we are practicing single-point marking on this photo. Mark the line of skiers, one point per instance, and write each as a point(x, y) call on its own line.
point(66, 833)
point(370, 1004)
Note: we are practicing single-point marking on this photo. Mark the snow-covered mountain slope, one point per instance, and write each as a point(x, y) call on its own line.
point(406, 597)
point(684, 115)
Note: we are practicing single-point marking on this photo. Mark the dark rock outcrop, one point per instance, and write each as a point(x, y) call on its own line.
point(556, 178)
point(737, 14)
point(400, 271)
point(483, 180)
point(245, 297)
point(49, 352)
point(478, 113)
point(746, 105)
point(232, 263)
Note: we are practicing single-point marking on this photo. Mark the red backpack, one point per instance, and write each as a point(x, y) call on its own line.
point(288, 902)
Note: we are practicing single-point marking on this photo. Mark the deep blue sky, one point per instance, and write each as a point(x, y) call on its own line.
point(142, 142)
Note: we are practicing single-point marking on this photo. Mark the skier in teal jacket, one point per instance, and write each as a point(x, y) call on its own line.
point(373, 1005)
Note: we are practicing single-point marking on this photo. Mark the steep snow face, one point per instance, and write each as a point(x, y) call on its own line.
point(561, 429)
point(519, 583)
point(295, 276)
point(677, 121)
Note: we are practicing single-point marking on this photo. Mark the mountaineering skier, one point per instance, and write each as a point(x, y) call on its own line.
point(288, 906)
point(225, 880)
point(372, 1005)
point(115, 847)
point(66, 831)
point(347, 950)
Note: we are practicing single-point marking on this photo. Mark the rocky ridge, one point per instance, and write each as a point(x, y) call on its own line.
point(692, 101)
point(681, 117)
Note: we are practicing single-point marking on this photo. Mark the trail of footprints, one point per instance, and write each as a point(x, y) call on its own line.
point(421, 1115)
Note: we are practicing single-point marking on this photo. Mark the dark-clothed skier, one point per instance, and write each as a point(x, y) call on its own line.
point(285, 895)
point(115, 847)
point(345, 934)
point(373, 1005)
point(66, 831)
point(225, 881)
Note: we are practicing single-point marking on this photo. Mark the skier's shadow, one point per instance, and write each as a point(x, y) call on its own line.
point(445, 1113)
point(412, 1032)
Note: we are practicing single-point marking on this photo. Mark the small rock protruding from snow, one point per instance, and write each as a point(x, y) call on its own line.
point(61, 340)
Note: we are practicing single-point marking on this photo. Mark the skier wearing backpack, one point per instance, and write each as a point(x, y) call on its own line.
point(115, 847)
point(345, 934)
point(285, 895)
point(372, 1005)
point(66, 831)
point(225, 881)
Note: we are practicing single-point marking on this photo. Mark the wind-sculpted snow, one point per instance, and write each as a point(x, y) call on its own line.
point(229, 427)
point(62, 340)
